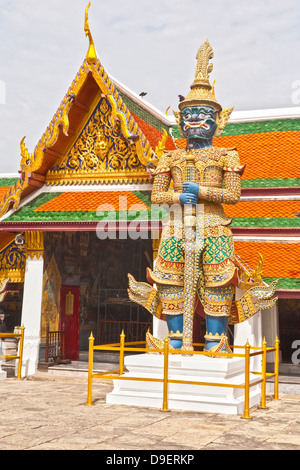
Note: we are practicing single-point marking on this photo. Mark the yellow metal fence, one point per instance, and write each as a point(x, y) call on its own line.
point(123, 347)
point(6, 357)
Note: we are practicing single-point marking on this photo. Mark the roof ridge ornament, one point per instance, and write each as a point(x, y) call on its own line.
point(91, 54)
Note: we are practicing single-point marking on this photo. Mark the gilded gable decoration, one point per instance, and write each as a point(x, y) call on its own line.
point(101, 153)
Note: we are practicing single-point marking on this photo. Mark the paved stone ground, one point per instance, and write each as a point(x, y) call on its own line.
point(49, 413)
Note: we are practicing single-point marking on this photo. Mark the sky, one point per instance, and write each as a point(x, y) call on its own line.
point(147, 45)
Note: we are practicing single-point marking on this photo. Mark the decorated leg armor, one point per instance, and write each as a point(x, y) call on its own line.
point(217, 307)
point(175, 328)
point(215, 338)
point(172, 306)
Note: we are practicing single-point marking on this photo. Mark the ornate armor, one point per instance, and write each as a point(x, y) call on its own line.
point(204, 178)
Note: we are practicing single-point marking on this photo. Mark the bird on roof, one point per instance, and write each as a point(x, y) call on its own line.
point(143, 94)
point(71, 96)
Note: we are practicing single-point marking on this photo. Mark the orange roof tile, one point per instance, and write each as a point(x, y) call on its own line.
point(266, 155)
point(152, 134)
point(4, 190)
point(280, 259)
point(272, 209)
point(90, 202)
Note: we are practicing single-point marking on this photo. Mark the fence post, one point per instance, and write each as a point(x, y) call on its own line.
point(90, 369)
point(247, 381)
point(264, 370)
point(166, 373)
point(276, 369)
point(47, 343)
point(63, 341)
point(121, 361)
point(21, 352)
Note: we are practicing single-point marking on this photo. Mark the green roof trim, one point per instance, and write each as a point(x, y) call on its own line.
point(135, 108)
point(271, 183)
point(255, 127)
point(284, 282)
point(265, 222)
point(5, 182)
point(28, 214)
point(176, 133)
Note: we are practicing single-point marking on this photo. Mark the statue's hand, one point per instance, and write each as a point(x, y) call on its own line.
point(188, 198)
point(189, 187)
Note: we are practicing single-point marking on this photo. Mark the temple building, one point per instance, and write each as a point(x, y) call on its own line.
point(77, 217)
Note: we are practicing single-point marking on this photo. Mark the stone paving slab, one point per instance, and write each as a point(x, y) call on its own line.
point(47, 412)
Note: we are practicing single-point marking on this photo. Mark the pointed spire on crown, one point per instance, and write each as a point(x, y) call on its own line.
point(201, 88)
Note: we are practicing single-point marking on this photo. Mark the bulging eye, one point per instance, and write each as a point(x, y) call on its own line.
point(187, 116)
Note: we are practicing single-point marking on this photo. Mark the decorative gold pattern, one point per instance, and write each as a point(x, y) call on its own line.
point(217, 167)
point(116, 123)
point(223, 345)
point(12, 263)
point(145, 295)
point(155, 344)
point(98, 150)
point(12, 199)
point(34, 244)
point(159, 150)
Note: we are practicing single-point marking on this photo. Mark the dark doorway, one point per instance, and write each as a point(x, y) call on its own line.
point(99, 269)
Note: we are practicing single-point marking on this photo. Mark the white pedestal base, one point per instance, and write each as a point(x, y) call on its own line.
point(205, 398)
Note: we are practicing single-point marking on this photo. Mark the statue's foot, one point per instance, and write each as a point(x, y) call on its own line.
point(217, 344)
point(155, 345)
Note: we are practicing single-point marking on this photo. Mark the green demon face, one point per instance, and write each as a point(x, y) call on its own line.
point(198, 122)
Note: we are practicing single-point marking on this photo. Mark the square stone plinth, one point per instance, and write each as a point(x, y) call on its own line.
point(223, 398)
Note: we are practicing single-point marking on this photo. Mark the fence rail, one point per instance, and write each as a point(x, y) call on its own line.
point(110, 330)
point(6, 357)
point(123, 347)
point(55, 345)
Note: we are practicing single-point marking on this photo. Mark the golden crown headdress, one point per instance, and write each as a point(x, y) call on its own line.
point(201, 90)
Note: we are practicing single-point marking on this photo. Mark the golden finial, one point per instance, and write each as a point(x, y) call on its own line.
point(26, 157)
point(91, 54)
point(203, 67)
point(201, 88)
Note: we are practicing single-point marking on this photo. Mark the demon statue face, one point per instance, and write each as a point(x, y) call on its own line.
point(198, 122)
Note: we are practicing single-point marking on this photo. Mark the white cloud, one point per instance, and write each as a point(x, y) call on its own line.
point(149, 46)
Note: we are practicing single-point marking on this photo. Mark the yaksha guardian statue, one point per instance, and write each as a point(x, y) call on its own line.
point(196, 266)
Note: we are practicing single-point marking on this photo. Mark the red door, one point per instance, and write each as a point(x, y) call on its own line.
point(69, 317)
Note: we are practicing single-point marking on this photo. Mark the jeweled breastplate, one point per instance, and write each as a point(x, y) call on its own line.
point(209, 164)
